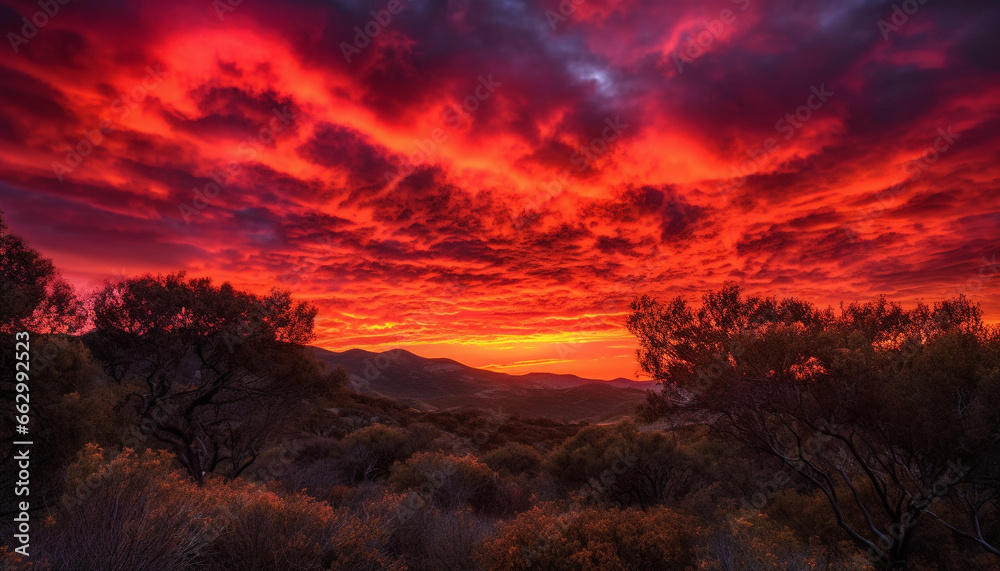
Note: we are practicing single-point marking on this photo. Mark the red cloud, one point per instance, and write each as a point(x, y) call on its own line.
point(453, 185)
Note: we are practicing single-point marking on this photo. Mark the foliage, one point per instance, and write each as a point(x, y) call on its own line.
point(453, 482)
point(33, 296)
point(755, 543)
point(442, 539)
point(258, 529)
point(134, 511)
point(882, 409)
point(514, 458)
point(69, 406)
point(34, 299)
point(115, 513)
point(216, 372)
point(593, 539)
point(369, 453)
point(623, 465)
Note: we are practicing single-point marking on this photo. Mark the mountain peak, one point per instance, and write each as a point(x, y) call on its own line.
point(443, 383)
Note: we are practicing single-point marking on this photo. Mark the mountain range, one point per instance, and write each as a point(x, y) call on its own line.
point(444, 384)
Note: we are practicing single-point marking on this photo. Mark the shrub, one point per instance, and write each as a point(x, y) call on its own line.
point(11, 561)
point(452, 482)
point(137, 511)
point(593, 540)
point(258, 529)
point(435, 539)
point(515, 459)
point(620, 464)
point(369, 453)
point(317, 478)
point(133, 512)
point(755, 543)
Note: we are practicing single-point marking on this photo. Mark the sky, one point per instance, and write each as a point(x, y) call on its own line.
point(494, 181)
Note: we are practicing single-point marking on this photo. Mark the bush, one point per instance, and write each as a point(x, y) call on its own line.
point(755, 543)
point(620, 464)
point(258, 529)
point(593, 540)
point(137, 511)
point(73, 406)
point(515, 459)
point(369, 453)
point(133, 512)
point(435, 539)
point(453, 482)
point(11, 561)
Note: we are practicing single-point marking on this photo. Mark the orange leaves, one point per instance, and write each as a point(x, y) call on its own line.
point(593, 539)
point(139, 509)
point(807, 370)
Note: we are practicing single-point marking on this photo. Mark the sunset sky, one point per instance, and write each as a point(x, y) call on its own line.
point(495, 181)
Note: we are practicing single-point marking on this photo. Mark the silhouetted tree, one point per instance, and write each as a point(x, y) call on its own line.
point(882, 409)
point(217, 371)
point(33, 296)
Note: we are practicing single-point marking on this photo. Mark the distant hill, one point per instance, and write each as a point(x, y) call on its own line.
point(444, 384)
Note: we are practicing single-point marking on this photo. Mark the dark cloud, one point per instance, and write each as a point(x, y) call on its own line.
point(350, 151)
point(499, 220)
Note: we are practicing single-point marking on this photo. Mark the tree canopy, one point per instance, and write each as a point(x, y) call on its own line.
point(890, 412)
point(216, 371)
point(33, 296)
